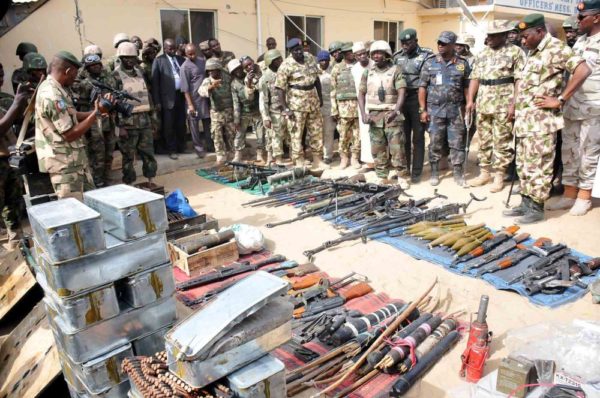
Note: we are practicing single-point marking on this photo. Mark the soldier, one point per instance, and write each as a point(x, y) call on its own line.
point(271, 44)
point(442, 92)
point(344, 108)
point(114, 61)
point(135, 130)
point(245, 112)
point(137, 41)
point(36, 68)
point(20, 75)
point(323, 59)
point(361, 54)
point(299, 90)
point(570, 26)
point(205, 49)
point(217, 87)
point(513, 34)
point(464, 43)
point(101, 137)
point(380, 99)
point(59, 130)
point(335, 51)
point(581, 134)
point(411, 59)
point(270, 107)
point(538, 100)
point(222, 56)
point(148, 55)
point(492, 81)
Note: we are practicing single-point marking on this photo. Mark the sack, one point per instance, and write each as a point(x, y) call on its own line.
point(248, 238)
point(178, 203)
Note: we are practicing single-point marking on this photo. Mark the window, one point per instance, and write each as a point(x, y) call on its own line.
point(186, 24)
point(313, 26)
point(388, 31)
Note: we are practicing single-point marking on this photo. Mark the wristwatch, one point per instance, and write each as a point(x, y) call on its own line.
point(421, 110)
point(561, 100)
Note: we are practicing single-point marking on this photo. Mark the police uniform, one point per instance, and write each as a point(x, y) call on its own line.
point(414, 131)
point(10, 184)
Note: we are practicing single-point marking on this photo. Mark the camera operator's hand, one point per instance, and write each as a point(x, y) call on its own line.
point(99, 109)
point(24, 92)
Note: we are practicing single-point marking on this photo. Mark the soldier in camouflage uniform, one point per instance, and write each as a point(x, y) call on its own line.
point(537, 112)
point(245, 111)
point(135, 131)
point(270, 107)
point(570, 27)
point(101, 138)
point(114, 61)
point(218, 54)
point(380, 99)
point(59, 130)
point(492, 81)
point(299, 90)
point(411, 59)
point(442, 92)
point(323, 60)
point(581, 134)
point(20, 74)
point(464, 43)
point(335, 50)
point(513, 34)
point(217, 87)
point(36, 68)
point(344, 107)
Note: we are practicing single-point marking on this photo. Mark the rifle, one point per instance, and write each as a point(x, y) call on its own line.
point(496, 253)
point(318, 306)
point(541, 264)
point(563, 274)
point(518, 256)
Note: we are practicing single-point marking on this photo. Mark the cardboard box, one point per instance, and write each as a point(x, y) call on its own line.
point(202, 261)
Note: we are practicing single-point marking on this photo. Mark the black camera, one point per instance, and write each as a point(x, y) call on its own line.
point(24, 158)
point(120, 105)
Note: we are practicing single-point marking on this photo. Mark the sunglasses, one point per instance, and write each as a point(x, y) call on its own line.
point(581, 17)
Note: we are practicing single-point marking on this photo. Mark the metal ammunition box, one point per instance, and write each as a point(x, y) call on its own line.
point(87, 344)
point(264, 378)
point(146, 287)
point(84, 310)
point(515, 372)
point(152, 343)
point(119, 260)
point(128, 212)
point(66, 229)
point(118, 391)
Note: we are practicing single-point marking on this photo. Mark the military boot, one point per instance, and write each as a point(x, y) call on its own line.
point(483, 178)
point(435, 175)
point(299, 162)
point(278, 160)
point(269, 158)
point(238, 156)
point(14, 237)
point(260, 156)
point(535, 213)
point(354, 162)
point(459, 176)
point(518, 210)
point(498, 183)
point(317, 163)
point(343, 161)
point(221, 160)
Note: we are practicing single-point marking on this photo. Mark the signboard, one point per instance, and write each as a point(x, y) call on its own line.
point(565, 7)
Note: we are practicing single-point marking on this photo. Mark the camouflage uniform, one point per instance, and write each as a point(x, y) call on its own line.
point(446, 83)
point(536, 128)
point(222, 128)
point(138, 126)
point(225, 57)
point(387, 139)
point(495, 70)
point(270, 109)
point(581, 134)
point(66, 162)
point(19, 76)
point(101, 137)
point(298, 81)
point(10, 184)
point(328, 122)
point(246, 113)
point(113, 62)
point(344, 105)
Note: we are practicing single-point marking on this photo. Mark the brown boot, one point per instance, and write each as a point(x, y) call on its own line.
point(354, 161)
point(498, 182)
point(221, 159)
point(343, 161)
point(238, 156)
point(260, 156)
point(299, 162)
point(279, 160)
point(269, 158)
point(484, 178)
point(317, 163)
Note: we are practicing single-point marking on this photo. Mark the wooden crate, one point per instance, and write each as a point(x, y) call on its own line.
point(201, 262)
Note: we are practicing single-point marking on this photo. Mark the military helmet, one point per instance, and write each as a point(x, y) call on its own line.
point(127, 49)
point(466, 40)
point(91, 59)
point(381, 45)
point(213, 64)
point(271, 56)
point(570, 23)
point(92, 49)
point(346, 46)
point(335, 46)
point(25, 47)
point(120, 38)
point(233, 65)
point(34, 61)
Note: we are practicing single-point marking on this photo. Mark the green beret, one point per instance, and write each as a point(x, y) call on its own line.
point(25, 47)
point(70, 58)
point(532, 21)
point(408, 34)
point(587, 5)
point(346, 46)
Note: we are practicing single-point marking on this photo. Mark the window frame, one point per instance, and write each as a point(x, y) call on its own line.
point(399, 29)
point(189, 20)
point(321, 26)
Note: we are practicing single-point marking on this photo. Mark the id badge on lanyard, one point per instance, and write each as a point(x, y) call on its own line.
point(439, 80)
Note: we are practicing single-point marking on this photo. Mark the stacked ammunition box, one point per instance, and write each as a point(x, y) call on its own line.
point(108, 283)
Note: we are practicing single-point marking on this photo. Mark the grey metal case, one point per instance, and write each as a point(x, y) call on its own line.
point(263, 378)
point(146, 287)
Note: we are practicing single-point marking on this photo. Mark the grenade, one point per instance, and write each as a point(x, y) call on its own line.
point(381, 93)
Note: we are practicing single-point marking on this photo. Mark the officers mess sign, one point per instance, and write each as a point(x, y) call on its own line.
point(566, 7)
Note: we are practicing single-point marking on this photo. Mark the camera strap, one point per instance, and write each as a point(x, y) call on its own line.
point(27, 117)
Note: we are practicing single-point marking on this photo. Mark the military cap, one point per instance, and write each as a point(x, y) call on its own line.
point(34, 61)
point(499, 26)
point(68, 57)
point(323, 56)
point(570, 23)
point(532, 21)
point(204, 45)
point(347, 46)
point(272, 55)
point(408, 34)
point(213, 64)
point(359, 46)
point(447, 37)
point(335, 46)
point(295, 42)
point(587, 5)
point(25, 47)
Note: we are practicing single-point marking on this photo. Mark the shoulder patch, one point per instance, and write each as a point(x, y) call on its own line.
point(60, 105)
point(460, 67)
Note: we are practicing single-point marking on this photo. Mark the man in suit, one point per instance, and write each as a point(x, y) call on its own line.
point(169, 100)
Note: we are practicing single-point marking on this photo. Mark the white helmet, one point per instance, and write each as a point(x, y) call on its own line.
point(381, 45)
point(92, 49)
point(233, 65)
point(119, 38)
point(127, 49)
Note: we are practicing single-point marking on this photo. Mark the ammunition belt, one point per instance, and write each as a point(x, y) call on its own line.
point(301, 87)
point(497, 82)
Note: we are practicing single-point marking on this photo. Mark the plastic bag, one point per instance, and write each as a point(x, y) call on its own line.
point(248, 238)
point(177, 202)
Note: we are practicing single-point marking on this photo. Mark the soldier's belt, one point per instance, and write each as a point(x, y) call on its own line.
point(497, 82)
point(301, 87)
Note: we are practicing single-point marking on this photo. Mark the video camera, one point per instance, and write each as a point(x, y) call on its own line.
point(121, 105)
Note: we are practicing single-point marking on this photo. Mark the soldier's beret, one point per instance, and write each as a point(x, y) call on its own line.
point(293, 43)
point(68, 57)
point(447, 37)
point(408, 34)
point(586, 5)
point(532, 21)
point(323, 56)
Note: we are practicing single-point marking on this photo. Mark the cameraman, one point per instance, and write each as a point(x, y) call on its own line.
point(101, 139)
point(59, 130)
point(10, 186)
